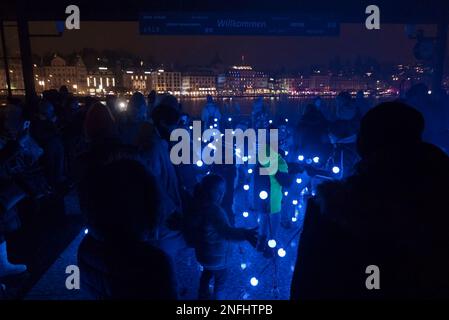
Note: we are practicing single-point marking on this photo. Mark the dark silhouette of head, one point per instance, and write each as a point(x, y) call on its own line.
point(209, 99)
point(47, 110)
point(63, 91)
point(152, 97)
point(165, 119)
point(99, 124)
point(388, 127)
point(124, 200)
point(211, 189)
point(137, 107)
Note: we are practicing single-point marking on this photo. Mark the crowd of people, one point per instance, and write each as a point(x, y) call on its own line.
point(387, 205)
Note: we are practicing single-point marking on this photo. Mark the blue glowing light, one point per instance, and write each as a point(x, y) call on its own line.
point(199, 163)
point(229, 119)
point(298, 180)
point(254, 282)
point(295, 202)
point(263, 195)
point(336, 170)
point(215, 125)
point(301, 157)
point(294, 219)
point(272, 243)
point(286, 193)
point(245, 158)
point(191, 127)
point(270, 122)
point(246, 187)
point(281, 252)
point(215, 119)
point(250, 171)
point(211, 127)
point(243, 266)
point(286, 153)
point(286, 119)
point(245, 214)
point(86, 231)
point(316, 159)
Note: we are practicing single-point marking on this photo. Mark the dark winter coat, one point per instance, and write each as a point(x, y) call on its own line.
point(120, 269)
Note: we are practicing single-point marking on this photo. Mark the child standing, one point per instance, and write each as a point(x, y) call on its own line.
point(211, 235)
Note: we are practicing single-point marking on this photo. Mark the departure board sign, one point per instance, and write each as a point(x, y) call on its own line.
point(236, 24)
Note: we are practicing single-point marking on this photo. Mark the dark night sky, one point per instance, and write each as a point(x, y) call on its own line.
point(389, 44)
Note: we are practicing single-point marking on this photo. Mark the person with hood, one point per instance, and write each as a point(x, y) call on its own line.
point(212, 235)
point(103, 144)
point(390, 215)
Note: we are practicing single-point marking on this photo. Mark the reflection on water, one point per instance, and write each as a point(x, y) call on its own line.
point(275, 105)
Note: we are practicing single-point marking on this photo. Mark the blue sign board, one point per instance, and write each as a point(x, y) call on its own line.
point(164, 23)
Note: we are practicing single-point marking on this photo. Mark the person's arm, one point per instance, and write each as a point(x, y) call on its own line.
point(221, 224)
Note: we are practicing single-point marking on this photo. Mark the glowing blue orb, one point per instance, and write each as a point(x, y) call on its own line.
point(295, 202)
point(272, 243)
point(245, 214)
point(298, 180)
point(250, 171)
point(199, 163)
point(286, 153)
point(229, 119)
point(270, 122)
point(336, 170)
point(286, 193)
point(86, 231)
point(281, 252)
point(211, 127)
point(215, 125)
point(286, 119)
point(294, 219)
point(246, 187)
point(263, 195)
point(316, 159)
point(215, 119)
point(191, 127)
point(301, 157)
point(245, 158)
point(243, 266)
point(254, 282)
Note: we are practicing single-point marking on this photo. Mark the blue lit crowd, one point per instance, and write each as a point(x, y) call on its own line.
point(362, 184)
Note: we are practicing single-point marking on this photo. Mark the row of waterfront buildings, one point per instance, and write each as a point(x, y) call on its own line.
point(235, 80)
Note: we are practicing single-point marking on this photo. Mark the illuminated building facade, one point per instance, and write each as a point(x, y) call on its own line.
point(199, 84)
point(59, 73)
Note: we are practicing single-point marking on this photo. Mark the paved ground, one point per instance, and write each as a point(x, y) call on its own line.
point(273, 275)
